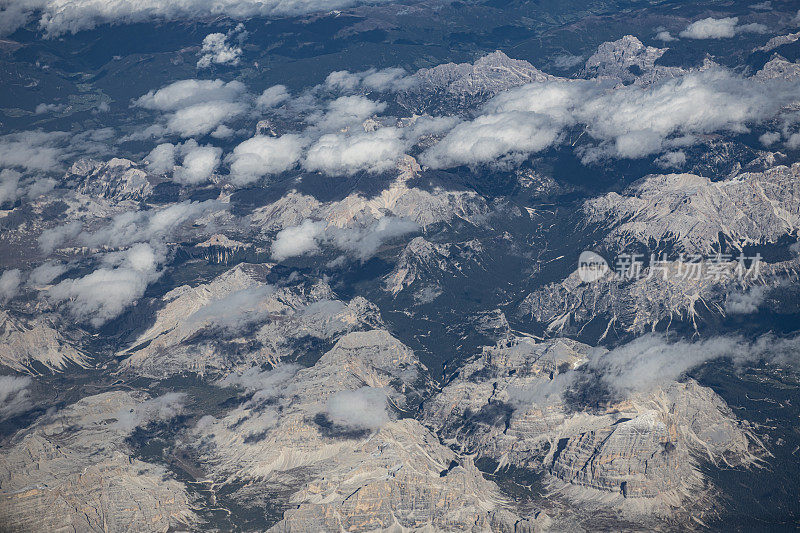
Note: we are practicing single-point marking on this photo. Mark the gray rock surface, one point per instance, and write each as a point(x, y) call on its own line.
point(640, 453)
point(73, 471)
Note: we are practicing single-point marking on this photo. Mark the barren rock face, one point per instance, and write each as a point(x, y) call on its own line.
point(72, 471)
point(26, 344)
point(117, 179)
point(238, 320)
point(655, 298)
point(399, 477)
point(692, 211)
point(350, 462)
point(517, 404)
point(465, 85)
point(625, 59)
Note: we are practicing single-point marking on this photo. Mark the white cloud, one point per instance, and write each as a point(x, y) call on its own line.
point(160, 409)
point(153, 224)
point(194, 107)
point(769, 138)
point(672, 159)
point(9, 283)
point(711, 28)
point(348, 153)
point(297, 240)
point(388, 79)
point(364, 242)
point(665, 36)
point(199, 163)
point(652, 360)
point(261, 155)
point(629, 121)
point(267, 382)
point(742, 303)
point(185, 93)
point(346, 111)
point(233, 312)
point(491, 137)
point(45, 273)
point(361, 242)
point(9, 185)
point(14, 395)
point(272, 97)
point(216, 50)
point(105, 293)
point(202, 119)
point(49, 108)
point(161, 159)
point(57, 17)
point(364, 408)
point(53, 237)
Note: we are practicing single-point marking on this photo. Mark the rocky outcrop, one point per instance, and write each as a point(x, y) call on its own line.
point(692, 211)
point(623, 60)
point(34, 345)
point(238, 320)
point(337, 434)
point(778, 41)
point(422, 264)
point(72, 471)
point(517, 405)
point(117, 179)
point(220, 249)
point(456, 87)
point(779, 68)
point(400, 199)
point(671, 292)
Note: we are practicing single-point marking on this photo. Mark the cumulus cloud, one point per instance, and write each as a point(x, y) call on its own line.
point(33, 150)
point(389, 79)
point(233, 312)
point(672, 159)
point(272, 97)
point(652, 360)
point(360, 242)
point(741, 303)
point(364, 408)
point(267, 382)
point(106, 292)
point(769, 138)
point(627, 122)
point(195, 107)
point(262, 155)
point(216, 50)
point(199, 162)
point(345, 111)
point(348, 153)
point(9, 283)
point(57, 17)
point(711, 28)
point(184, 93)
point(491, 137)
point(139, 226)
point(160, 409)
point(14, 395)
point(51, 238)
point(665, 36)
point(46, 151)
point(9, 185)
point(297, 240)
point(45, 273)
point(364, 242)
